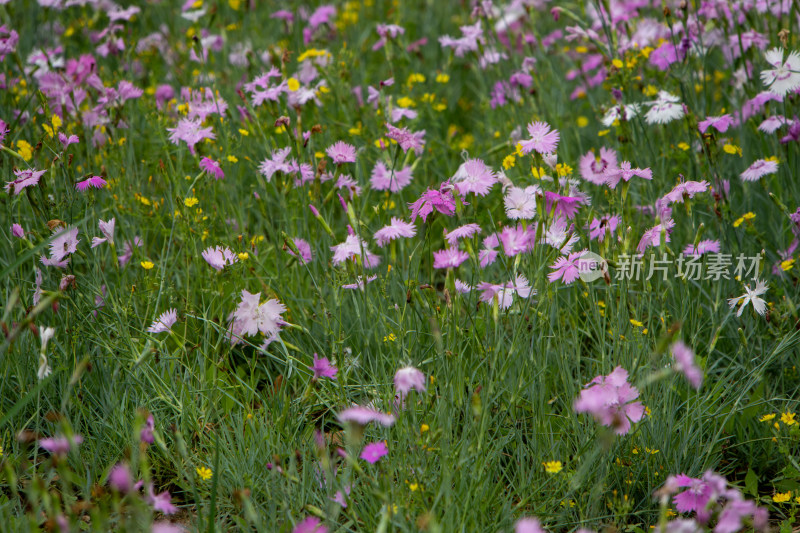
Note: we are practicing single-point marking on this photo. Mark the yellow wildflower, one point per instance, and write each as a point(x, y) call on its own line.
point(147, 265)
point(788, 419)
point(189, 202)
point(782, 497)
point(767, 418)
point(552, 467)
point(204, 473)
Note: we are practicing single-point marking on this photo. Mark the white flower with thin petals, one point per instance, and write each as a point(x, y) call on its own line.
point(107, 229)
point(751, 296)
point(785, 77)
point(521, 203)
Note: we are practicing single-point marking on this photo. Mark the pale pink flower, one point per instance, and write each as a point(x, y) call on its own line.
point(610, 399)
point(703, 247)
point(219, 257)
point(407, 139)
point(462, 232)
point(759, 168)
point(384, 179)
point(473, 176)
point(341, 152)
point(397, 228)
point(408, 378)
point(164, 322)
point(107, 229)
point(521, 203)
point(625, 172)
point(252, 317)
point(364, 415)
point(567, 269)
point(542, 139)
point(721, 123)
point(449, 258)
point(25, 178)
point(593, 167)
point(354, 247)
point(685, 364)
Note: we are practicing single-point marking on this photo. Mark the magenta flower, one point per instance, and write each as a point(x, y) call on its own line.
point(146, 433)
point(610, 400)
point(191, 132)
point(383, 179)
point(364, 415)
point(66, 141)
point(95, 181)
point(25, 178)
point(517, 240)
point(323, 368)
point(120, 479)
point(473, 176)
point(212, 168)
point(310, 524)
point(60, 445)
point(625, 172)
point(759, 168)
point(304, 248)
point(408, 378)
point(341, 152)
point(567, 269)
point(686, 189)
point(17, 231)
point(219, 257)
point(593, 168)
point(684, 363)
point(441, 200)
point(721, 123)
point(373, 451)
point(703, 247)
point(449, 258)
point(566, 206)
point(354, 247)
point(605, 225)
point(542, 139)
point(398, 228)
point(164, 322)
point(406, 139)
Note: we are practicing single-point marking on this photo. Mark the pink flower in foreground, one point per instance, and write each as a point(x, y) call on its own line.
point(25, 178)
point(449, 258)
point(95, 181)
point(684, 363)
point(567, 269)
point(212, 168)
point(323, 368)
point(364, 415)
point(64, 242)
point(703, 247)
point(521, 203)
point(164, 322)
point(594, 167)
point(107, 229)
point(252, 317)
point(441, 200)
point(60, 445)
point(373, 451)
point(610, 399)
point(341, 152)
point(397, 228)
point(219, 257)
point(311, 524)
point(542, 139)
point(721, 123)
point(566, 206)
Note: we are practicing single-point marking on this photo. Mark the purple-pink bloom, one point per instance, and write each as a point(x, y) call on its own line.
point(407, 139)
point(164, 322)
point(120, 479)
point(542, 139)
point(25, 178)
point(605, 225)
point(625, 172)
point(473, 176)
point(566, 206)
point(373, 451)
point(449, 258)
point(17, 231)
point(354, 247)
point(310, 524)
point(65, 242)
point(341, 152)
point(161, 502)
point(304, 248)
point(461, 232)
point(721, 123)
point(610, 400)
point(528, 525)
point(505, 292)
point(594, 167)
point(703, 247)
point(146, 433)
point(759, 168)
point(397, 228)
point(567, 269)
point(95, 181)
point(278, 163)
point(219, 257)
point(521, 203)
point(408, 378)
point(323, 368)
point(364, 415)
point(60, 445)
point(191, 132)
point(652, 237)
point(684, 363)
point(441, 200)
point(212, 168)
point(384, 179)
point(107, 229)
point(252, 317)
point(66, 141)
